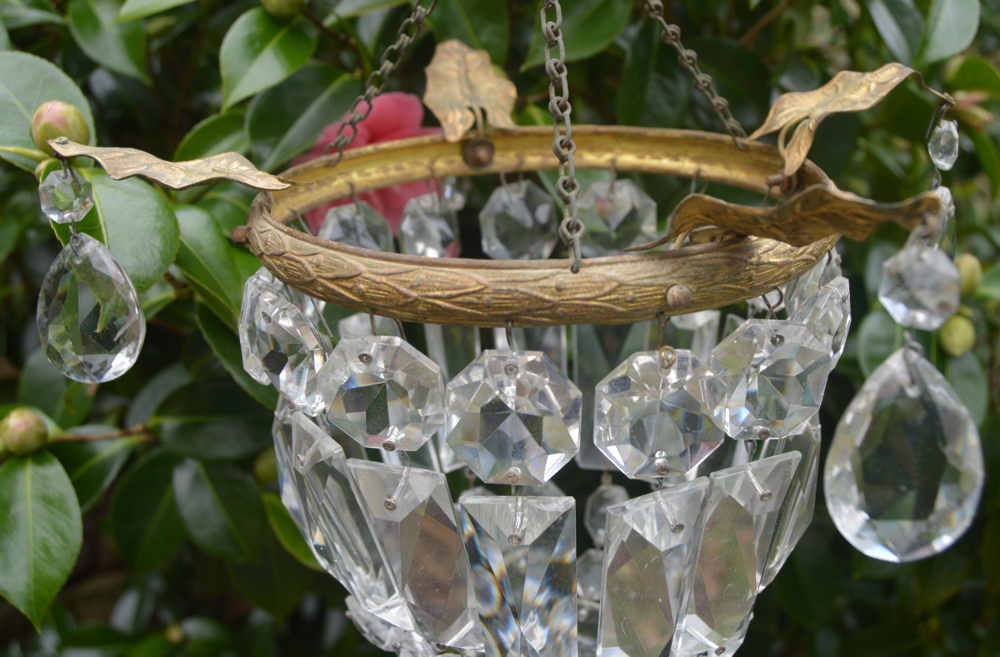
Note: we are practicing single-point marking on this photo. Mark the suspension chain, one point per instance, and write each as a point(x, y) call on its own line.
point(567, 186)
point(390, 60)
point(671, 34)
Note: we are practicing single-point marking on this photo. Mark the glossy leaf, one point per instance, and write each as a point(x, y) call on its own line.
point(481, 26)
point(144, 519)
point(989, 287)
point(220, 507)
point(971, 385)
point(212, 420)
point(228, 203)
point(226, 346)
point(352, 8)
point(951, 26)
point(121, 47)
point(900, 24)
point(157, 388)
point(25, 13)
point(26, 82)
point(136, 223)
point(288, 534)
point(93, 465)
point(989, 158)
point(43, 386)
point(40, 532)
point(273, 580)
point(976, 74)
point(134, 9)
point(206, 259)
point(877, 339)
point(654, 91)
point(589, 27)
point(288, 118)
point(216, 134)
point(260, 51)
point(4, 37)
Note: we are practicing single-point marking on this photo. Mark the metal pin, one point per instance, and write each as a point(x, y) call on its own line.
point(517, 531)
point(393, 499)
point(763, 493)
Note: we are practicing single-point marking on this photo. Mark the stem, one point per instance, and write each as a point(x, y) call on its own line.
point(763, 22)
point(30, 153)
point(141, 430)
point(344, 39)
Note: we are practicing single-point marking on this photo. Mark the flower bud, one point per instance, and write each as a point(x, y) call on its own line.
point(957, 335)
point(283, 9)
point(23, 431)
point(971, 272)
point(58, 119)
point(265, 468)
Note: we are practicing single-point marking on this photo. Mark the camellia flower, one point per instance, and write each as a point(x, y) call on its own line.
point(394, 116)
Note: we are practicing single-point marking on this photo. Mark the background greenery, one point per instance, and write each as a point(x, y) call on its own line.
point(167, 536)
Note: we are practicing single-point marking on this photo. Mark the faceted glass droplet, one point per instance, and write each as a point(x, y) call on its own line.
point(595, 510)
point(828, 315)
point(357, 224)
point(617, 215)
point(513, 418)
point(382, 392)
point(453, 193)
point(943, 144)
point(905, 471)
point(429, 227)
point(518, 222)
point(803, 290)
point(65, 198)
point(920, 287)
point(385, 636)
point(703, 327)
point(89, 318)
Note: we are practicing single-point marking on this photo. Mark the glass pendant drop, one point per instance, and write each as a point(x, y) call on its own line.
point(89, 318)
point(920, 287)
point(518, 222)
point(65, 198)
point(905, 471)
point(943, 145)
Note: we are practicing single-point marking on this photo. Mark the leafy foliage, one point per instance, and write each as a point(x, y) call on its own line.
point(151, 524)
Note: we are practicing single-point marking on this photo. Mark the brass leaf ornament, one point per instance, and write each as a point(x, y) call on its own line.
point(462, 84)
point(848, 91)
point(122, 163)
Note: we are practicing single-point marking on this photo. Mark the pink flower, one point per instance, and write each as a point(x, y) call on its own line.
point(393, 116)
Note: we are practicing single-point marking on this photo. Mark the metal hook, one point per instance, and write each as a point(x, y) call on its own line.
point(511, 342)
point(772, 308)
point(614, 176)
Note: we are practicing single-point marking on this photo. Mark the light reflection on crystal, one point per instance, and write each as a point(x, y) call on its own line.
point(704, 329)
point(518, 221)
point(595, 510)
point(357, 224)
point(943, 144)
point(359, 325)
point(550, 340)
point(387, 637)
point(65, 197)
point(828, 315)
point(617, 215)
point(429, 227)
point(920, 287)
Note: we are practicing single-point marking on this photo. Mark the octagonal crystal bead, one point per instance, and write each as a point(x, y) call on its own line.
point(828, 314)
point(429, 227)
point(649, 419)
point(920, 287)
point(383, 393)
point(357, 224)
point(65, 198)
point(513, 417)
point(617, 215)
point(518, 221)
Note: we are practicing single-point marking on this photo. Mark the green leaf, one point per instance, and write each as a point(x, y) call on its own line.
point(25, 13)
point(4, 41)
point(154, 392)
point(288, 119)
point(989, 287)
point(216, 134)
point(970, 383)
point(226, 346)
point(26, 82)
point(259, 51)
point(986, 151)
point(229, 204)
point(41, 385)
point(351, 8)
point(876, 340)
point(93, 465)
point(654, 91)
point(482, 26)
point(951, 26)
point(40, 532)
point(134, 9)
point(136, 223)
point(206, 258)
point(213, 420)
point(976, 74)
point(120, 47)
point(589, 27)
point(273, 580)
point(288, 534)
point(144, 519)
point(739, 74)
point(900, 24)
point(221, 508)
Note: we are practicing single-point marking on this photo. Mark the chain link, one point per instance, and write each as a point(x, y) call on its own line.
point(567, 186)
point(390, 60)
point(671, 34)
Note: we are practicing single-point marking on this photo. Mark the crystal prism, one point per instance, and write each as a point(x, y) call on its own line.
point(920, 287)
point(429, 228)
point(89, 318)
point(943, 144)
point(589, 570)
point(359, 325)
point(513, 417)
point(617, 215)
point(385, 636)
point(279, 345)
point(649, 419)
point(828, 315)
point(410, 513)
point(523, 556)
point(767, 379)
point(382, 392)
point(357, 224)
point(738, 520)
point(595, 510)
point(802, 291)
point(65, 197)
point(800, 501)
point(518, 222)
point(652, 542)
point(704, 328)
point(905, 471)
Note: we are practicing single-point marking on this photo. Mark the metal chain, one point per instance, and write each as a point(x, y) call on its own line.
point(571, 229)
point(390, 60)
point(671, 34)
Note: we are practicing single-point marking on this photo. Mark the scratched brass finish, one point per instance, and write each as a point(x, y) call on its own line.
point(607, 290)
point(126, 162)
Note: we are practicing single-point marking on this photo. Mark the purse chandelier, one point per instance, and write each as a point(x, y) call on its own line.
point(586, 364)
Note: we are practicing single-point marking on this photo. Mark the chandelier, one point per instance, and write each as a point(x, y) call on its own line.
point(609, 357)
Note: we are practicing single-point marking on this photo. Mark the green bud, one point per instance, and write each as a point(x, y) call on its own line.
point(174, 634)
point(957, 335)
point(45, 167)
point(58, 119)
point(265, 468)
point(971, 271)
point(23, 431)
point(283, 9)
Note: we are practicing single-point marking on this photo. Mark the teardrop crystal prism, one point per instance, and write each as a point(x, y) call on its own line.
point(943, 144)
point(905, 471)
point(89, 318)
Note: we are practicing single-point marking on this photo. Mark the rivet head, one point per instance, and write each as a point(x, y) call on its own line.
point(365, 358)
point(389, 446)
point(510, 369)
point(478, 153)
point(677, 296)
point(390, 505)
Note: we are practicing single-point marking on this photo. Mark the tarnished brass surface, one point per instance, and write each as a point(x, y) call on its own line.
point(848, 91)
point(462, 84)
point(608, 290)
point(126, 162)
